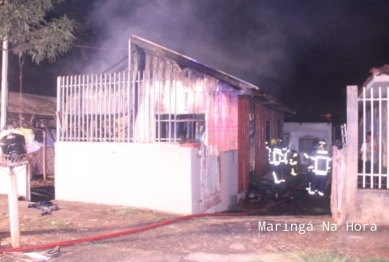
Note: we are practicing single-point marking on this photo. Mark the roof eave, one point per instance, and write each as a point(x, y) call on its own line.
point(187, 62)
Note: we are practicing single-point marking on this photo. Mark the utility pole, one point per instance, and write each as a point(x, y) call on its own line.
point(4, 85)
point(13, 204)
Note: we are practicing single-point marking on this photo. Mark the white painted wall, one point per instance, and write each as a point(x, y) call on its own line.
point(159, 176)
point(155, 176)
point(297, 130)
point(23, 177)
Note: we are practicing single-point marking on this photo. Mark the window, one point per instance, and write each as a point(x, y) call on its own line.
point(306, 144)
point(183, 128)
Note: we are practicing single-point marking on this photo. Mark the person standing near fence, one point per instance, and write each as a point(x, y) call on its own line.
point(368, 158)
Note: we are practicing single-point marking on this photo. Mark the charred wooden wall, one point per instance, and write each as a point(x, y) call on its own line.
point(218, 100)
point(243, 143)
point(262, 114)
point(276, 119)
point(228, 118)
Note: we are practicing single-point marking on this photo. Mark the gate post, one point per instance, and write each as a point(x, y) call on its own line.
point(350, 176)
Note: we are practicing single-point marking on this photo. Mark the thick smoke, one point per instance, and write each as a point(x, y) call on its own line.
point(239, 38)
point(285, 48)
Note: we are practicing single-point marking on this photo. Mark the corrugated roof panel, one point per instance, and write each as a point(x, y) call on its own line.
point(32, 104)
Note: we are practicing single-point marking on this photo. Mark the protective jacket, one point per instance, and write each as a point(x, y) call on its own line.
point(276, 157)
point(321, 162)
point(293, 161)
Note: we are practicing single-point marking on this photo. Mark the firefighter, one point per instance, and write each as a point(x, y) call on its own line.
point(284, 159)
point(275, 159)
point(321, 169)
point(293, 157)
point(311, 162)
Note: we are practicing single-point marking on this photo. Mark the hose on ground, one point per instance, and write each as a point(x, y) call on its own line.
point(131, 231)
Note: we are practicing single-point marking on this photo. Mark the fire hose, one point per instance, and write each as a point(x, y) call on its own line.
point(131, 231)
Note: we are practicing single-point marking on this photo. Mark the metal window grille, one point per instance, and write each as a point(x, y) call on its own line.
point(306, 144)
point(374, 119)
point(183, 128)
point(146, 107)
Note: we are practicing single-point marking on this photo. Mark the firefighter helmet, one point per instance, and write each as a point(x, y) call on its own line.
point(273, 141)
point(322, 142)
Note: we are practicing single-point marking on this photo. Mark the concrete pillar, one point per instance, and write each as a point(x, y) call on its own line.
point(350, 176)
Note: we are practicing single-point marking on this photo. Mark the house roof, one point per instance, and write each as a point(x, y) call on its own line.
point(379, 78)
point(32, 104)
point(187, 62)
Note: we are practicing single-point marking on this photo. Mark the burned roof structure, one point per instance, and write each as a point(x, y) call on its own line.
point(186, 62)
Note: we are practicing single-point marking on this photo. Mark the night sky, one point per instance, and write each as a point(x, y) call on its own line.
point(304, 53)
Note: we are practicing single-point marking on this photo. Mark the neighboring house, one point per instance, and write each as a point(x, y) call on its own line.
point(169, 134)
point(31, 111)
point(303, 135)
point(360, 189)
point(35, 112)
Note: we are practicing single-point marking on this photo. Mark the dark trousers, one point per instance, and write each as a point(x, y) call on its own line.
point(367, 167)
point(275, 171)
point(308, 180)
point(319, 183)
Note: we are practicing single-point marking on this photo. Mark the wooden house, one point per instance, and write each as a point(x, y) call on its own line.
point(169, 133)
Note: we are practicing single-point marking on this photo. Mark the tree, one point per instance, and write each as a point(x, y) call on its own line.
point(41, 79)
point(29, 30)
point(26, 28)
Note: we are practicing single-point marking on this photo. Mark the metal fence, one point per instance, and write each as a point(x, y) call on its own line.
point(373, 138)
point(94, 107)
point(145, 107)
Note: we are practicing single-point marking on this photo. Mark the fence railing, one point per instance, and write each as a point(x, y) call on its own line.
point(373, 138)
point(94, 107)
point(144, 107)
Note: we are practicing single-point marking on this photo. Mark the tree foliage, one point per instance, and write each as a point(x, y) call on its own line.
point(30, 30)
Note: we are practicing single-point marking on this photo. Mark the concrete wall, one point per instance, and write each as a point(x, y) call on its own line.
point(159, 176)
point(154, 176)
point(371, 207)
point(22, 180)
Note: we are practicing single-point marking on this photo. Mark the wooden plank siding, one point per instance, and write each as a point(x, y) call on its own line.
point(262, 114)
point(218, 100)
point(243, 143)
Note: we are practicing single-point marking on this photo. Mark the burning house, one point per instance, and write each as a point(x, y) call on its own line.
point(169, 134)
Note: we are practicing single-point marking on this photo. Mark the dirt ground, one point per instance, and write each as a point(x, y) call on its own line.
point(221, 238)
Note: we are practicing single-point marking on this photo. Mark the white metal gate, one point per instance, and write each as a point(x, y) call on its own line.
point(373, 137)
